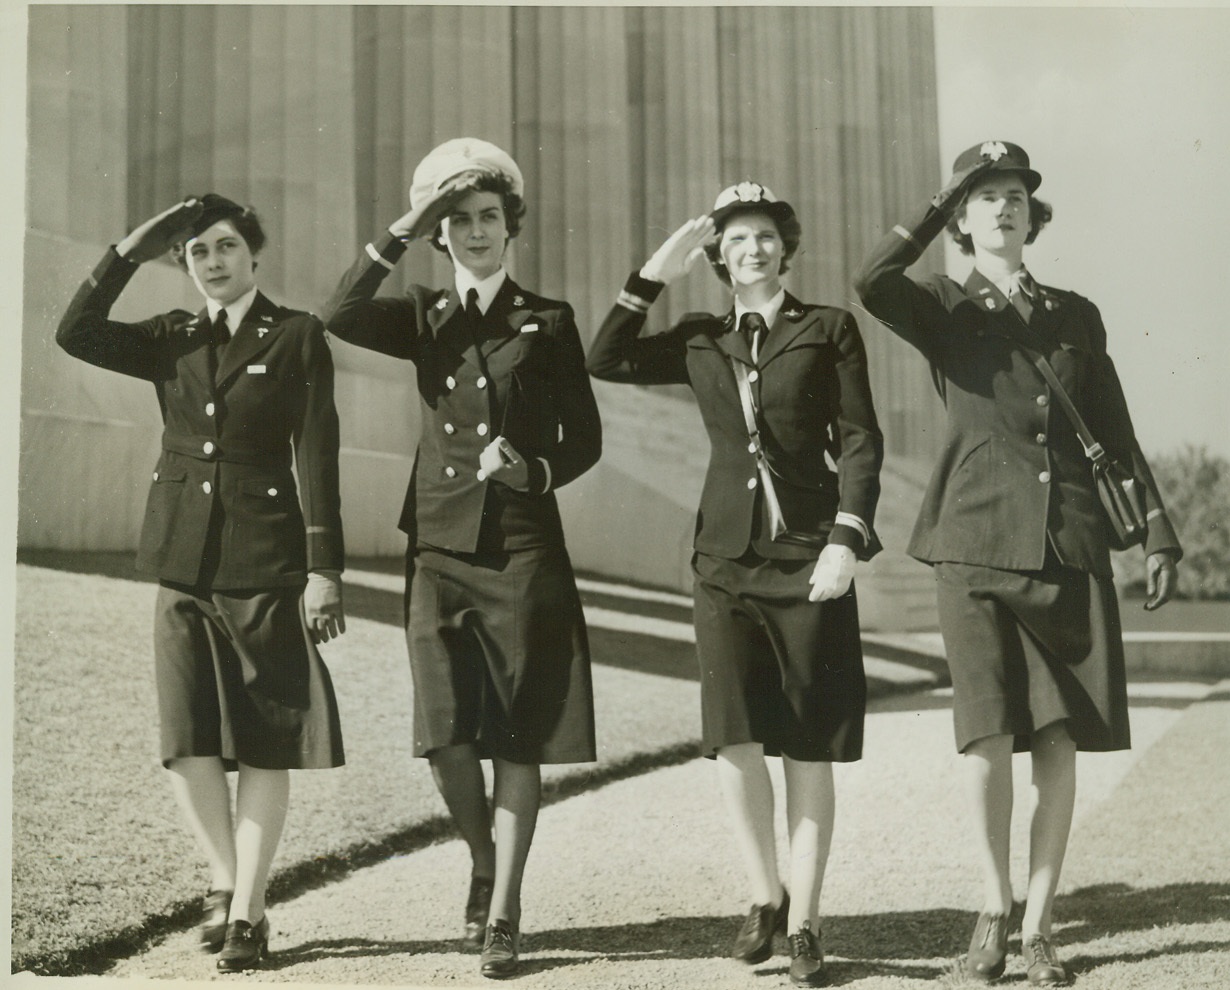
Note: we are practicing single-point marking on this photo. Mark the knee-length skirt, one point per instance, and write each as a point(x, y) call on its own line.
point(238, 677)
point(499, 655)
point(776, 668)
point(1027, 649)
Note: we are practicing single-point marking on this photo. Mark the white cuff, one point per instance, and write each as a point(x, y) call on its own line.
point(854, 522)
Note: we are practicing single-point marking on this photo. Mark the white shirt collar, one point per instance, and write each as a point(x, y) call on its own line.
point(235, 311)
point(487, 287)
point(769, 310)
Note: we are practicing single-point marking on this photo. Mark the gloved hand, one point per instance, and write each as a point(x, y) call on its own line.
point(322, 605)
point(679, 252)
point(832, 574)
point(157, 235)
point(1161, 579)
point(501, 462)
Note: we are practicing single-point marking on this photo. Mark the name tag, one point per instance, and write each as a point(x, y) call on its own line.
point(256, 369)
point(530, 328)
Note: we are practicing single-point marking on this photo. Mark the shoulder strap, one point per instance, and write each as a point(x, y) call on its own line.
point(1093, 449)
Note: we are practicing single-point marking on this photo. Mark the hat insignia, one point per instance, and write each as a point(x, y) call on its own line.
point(993, 150)
point(749, 192)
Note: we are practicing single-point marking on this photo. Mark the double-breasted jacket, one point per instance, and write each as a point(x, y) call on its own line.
point(811, 392)
point(519, 372)
point(223, 487)
point(1012, 478)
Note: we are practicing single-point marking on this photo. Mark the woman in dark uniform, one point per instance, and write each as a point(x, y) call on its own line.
point(497, 640)
point(776, 622)
point(249, 563)
point(1013, 527)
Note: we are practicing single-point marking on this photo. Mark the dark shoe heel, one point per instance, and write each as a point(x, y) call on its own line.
point(246, 945)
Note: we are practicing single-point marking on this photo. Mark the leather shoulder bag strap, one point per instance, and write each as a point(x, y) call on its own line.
point(1093, 449)
point(777, 521)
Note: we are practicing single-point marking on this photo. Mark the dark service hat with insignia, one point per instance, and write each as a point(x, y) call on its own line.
point(1003, 156)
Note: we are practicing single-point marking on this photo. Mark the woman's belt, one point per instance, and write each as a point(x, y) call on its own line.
point(204, 448)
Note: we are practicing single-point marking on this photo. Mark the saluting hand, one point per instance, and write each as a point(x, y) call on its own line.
point(156, 236)
point(679, 252)
point(949, 198)
point(423, 219)
point(1161, 579)
point(322, 606)
point(832, 574)
point(501, 462)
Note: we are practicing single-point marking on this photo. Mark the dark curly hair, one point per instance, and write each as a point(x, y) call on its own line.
point(247, 225)
point(1040, 214)
point(496, 182)
point(788, 228)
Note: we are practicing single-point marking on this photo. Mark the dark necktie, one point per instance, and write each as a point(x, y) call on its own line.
point(219, 337)
point(472, 311)
point(753, 328)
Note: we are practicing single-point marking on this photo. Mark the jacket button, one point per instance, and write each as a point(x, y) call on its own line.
point(155, 475)
point(482, 429)
point(1041, 438)
point(751, 448)
point(450, 472)
point(209, 408)
point(450, 382)
point(273, 492)
point(482, 381)
point(450, 429)
point(1042, 400)
point(208, 447)
point(751, 483)
point(482, 475)
point(1044, 477)
point(206, 487)
point(753, 376)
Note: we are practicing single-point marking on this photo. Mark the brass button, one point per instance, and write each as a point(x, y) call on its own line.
point(450, 382)
point(1043, 400)
point(450, 472)
point(482, 381)
point(273, 492)
point(1041, 438)
point(1044, 477)
point(751, 483)
point(753, 376)
point(209, 408)
point(482, 429)
point(450, 429)
point(208, 447)
point(206, 487)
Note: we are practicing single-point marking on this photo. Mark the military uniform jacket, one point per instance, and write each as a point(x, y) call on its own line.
point(811, 392)
point(227, 440)
point(1013, 477)
point(520, 374)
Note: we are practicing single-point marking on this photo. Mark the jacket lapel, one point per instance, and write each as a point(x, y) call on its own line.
point(196, 349)
point(1006, 321)
point(732, 343)
point(791, 321)
point(448, 322)
point(508, 313)
point(255, 335)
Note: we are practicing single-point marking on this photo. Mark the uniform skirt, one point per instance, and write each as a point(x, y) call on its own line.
point(775, 668)
point(499, 655)
point(1027, 649)
point(238, 677)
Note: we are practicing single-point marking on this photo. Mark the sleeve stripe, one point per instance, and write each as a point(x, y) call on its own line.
point(1153, 514)
point(634, 303)
point(377, 256)
point(854, 522)
point(908, 237)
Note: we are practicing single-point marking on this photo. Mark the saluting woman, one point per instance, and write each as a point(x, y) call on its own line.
point(497, 640)
point(776, 622)
point(248, 561)
point(1013, 527)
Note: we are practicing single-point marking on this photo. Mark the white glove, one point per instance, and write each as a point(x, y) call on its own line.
point(832, 574)
point(322, 605)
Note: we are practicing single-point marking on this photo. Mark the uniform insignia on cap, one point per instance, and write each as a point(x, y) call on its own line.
point(749, 192)
point(993, 150)
point(518, 300)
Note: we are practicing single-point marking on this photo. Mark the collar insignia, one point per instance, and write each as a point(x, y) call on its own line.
point(261, 331)
point(442, 303)
point(793, 314)
point(518, 300)
point(990, 304)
